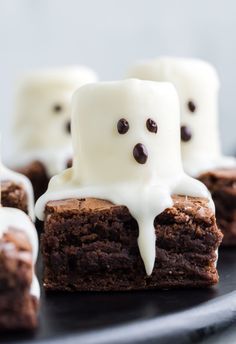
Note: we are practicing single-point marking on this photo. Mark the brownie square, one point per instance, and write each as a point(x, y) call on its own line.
point(37, 174)
point(222, 185)
point(91, 245)
point(18, 308)
point(13, 195)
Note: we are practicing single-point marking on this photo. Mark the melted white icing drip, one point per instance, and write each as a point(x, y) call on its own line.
point(6, 174)
point(15, 218)
point(217, 256)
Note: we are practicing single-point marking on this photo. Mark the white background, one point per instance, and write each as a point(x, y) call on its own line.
point(109, 35)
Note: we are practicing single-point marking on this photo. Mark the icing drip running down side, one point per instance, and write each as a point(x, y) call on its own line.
point(15, 218)
point(197, 85)
point(42, 128)
point(126, 144)
point(8, 175)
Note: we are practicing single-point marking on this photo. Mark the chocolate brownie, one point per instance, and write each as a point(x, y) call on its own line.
point(91, 245)
point(13, 195)
point(17, 311)
point(18, 308)
point(37, 174)
point(222, 185)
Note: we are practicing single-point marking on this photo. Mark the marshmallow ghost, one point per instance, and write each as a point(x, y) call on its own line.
point(126, 150)
point(197, 85)
point(15, 219)
point(42, 115)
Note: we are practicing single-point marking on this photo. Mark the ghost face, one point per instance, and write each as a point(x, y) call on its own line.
point(199, 117)
point(43, 117)
point(57, 111)
point(197, 86)
point(126, 130)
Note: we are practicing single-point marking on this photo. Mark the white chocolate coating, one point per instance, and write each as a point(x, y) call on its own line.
point(42, 115)
point(104, 166)
point(8, 175)
point(195, 81)
point(15, 218)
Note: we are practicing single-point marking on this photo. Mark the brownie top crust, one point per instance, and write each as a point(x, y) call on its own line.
point(192, 206)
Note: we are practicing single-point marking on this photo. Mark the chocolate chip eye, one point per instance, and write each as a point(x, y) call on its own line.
point(191, 106)
point(68, 127)
point(57, 108)
point(151, 125)
point(122, 126)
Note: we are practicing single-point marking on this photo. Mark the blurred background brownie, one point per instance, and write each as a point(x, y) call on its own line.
point(222, 185)
point(19, 290)
point(16, 191)
point(91, 244)
point(37, 174)
point(13, 195)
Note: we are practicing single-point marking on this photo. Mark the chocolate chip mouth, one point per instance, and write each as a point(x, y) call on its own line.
point(186, 133)
point(140, 153)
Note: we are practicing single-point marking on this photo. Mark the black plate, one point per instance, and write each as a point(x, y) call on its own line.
point(126, 317)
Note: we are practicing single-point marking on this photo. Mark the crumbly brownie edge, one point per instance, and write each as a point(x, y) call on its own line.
point(14, 195)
